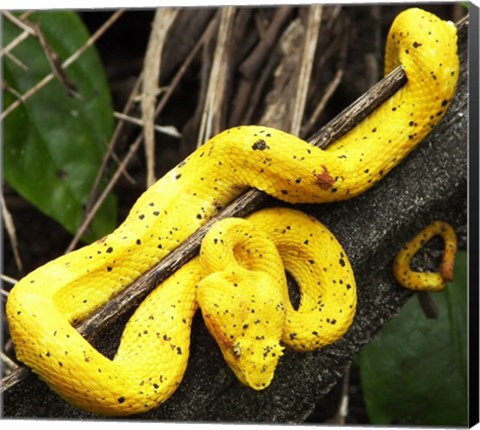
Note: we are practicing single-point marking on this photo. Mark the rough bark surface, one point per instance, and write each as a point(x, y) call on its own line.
point(430, 184)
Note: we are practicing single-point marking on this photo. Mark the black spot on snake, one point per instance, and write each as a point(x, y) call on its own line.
point(260, 145)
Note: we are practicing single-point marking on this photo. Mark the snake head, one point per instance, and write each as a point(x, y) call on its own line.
point(245, 313)
point(254, 363)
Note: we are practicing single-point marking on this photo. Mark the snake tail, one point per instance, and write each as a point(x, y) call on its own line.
point(427, 281)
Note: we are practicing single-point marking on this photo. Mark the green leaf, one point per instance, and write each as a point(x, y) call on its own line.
point(55, 141)
point(415, 373)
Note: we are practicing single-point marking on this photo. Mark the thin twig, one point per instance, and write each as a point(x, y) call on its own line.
point(329, 91)
point(428, 305)
point(283, 83)
point(247, 40)
point(305, 73)
point(252, 65)
point(355, 113)
point(91, 214)
point(54, 62)
point(176, 80)
point(216, 83)
point(8, 88)
point(15, 42)
point(27, 31)
point(19, 63)
point(8, 362)
point(163, 20)
point(342, 411)
point(19, 22)
point(8, 279)
point(91, 41)
point(109, 154)
point(181, 71)
point(10, 227)
point(261, 83)
point(169, 130)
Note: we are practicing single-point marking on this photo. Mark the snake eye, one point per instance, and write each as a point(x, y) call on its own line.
point(237, 351)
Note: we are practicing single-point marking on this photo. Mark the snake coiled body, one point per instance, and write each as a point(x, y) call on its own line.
point(152, 357)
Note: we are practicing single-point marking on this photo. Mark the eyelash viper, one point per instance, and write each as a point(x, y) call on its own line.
point(236, 255)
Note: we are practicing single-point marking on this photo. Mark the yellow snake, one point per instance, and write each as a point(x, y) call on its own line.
point(427, 281)
point(239, 278)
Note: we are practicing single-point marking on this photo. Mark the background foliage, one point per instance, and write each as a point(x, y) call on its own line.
point(55, 141)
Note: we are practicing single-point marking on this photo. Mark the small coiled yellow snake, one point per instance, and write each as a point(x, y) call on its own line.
point(239, 278)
